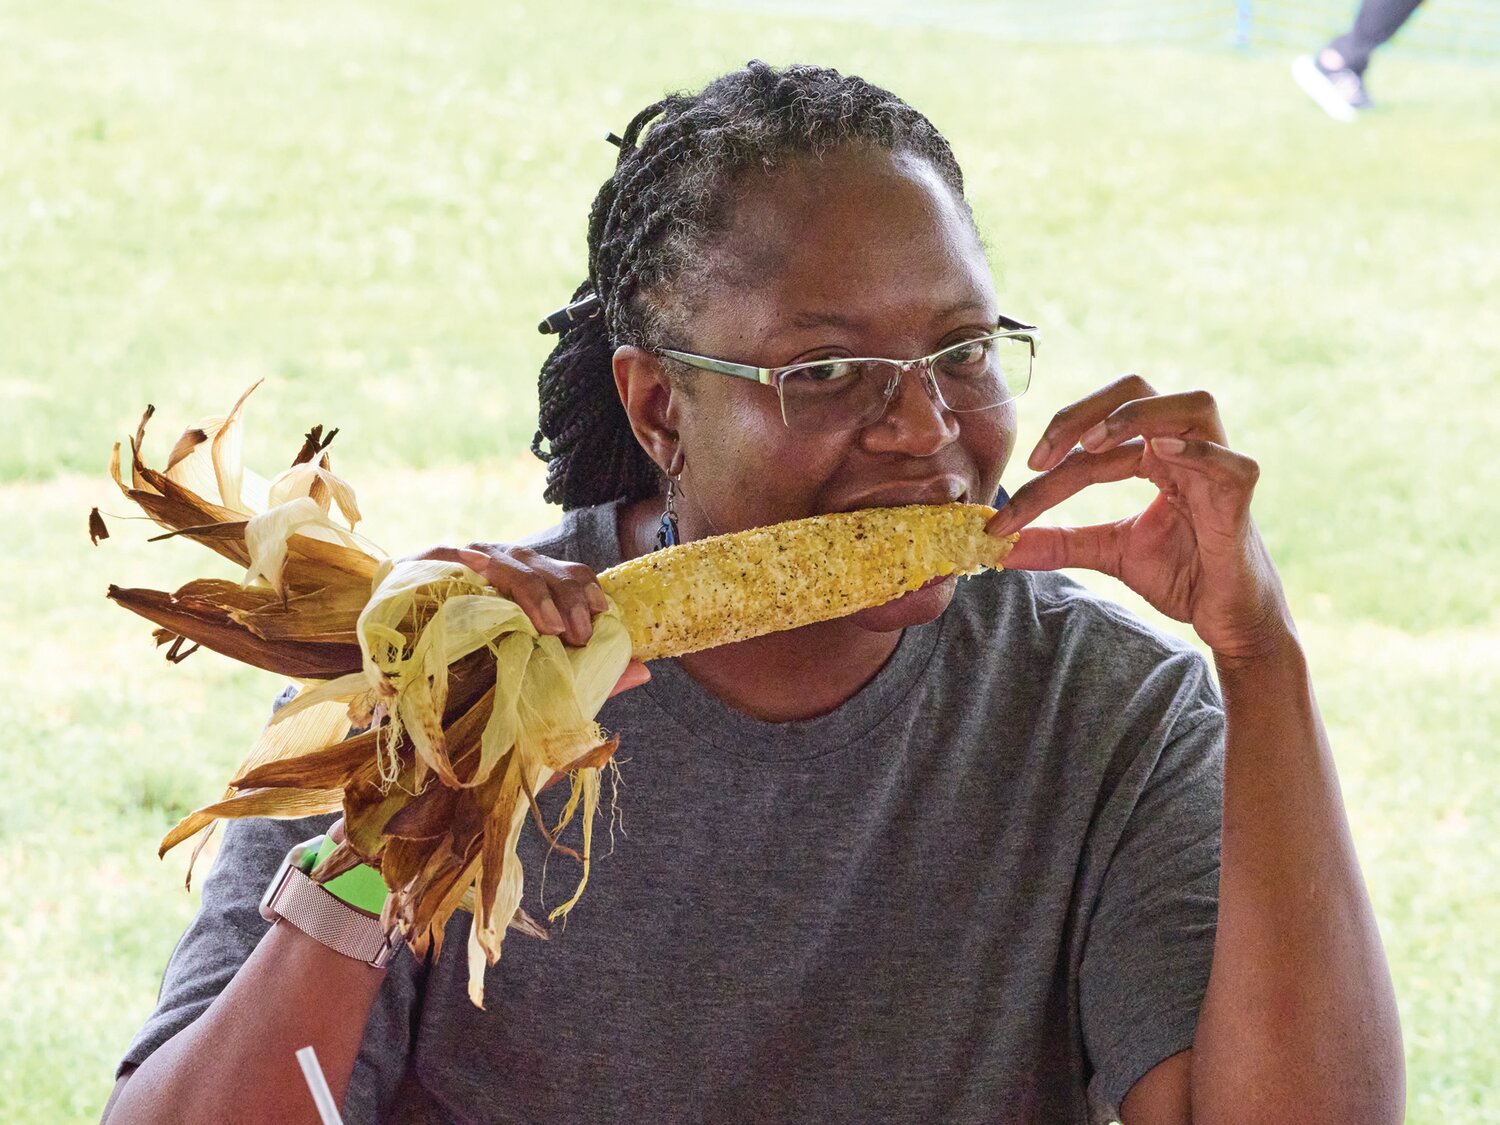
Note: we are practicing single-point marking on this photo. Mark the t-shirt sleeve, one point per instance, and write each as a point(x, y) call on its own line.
point(225, 931)
point(1150, 937)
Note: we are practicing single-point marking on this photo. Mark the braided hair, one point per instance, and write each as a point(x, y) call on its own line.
point(654, 220)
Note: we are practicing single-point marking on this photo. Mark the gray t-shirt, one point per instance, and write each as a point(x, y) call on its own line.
point(983, 889)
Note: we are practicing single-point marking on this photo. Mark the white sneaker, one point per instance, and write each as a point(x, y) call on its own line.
point(1335, 93)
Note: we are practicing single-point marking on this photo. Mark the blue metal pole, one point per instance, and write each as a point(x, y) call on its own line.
point(1242, 23)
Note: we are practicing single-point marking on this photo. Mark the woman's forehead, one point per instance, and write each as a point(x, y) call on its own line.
point(858, 236)
point(845, 200)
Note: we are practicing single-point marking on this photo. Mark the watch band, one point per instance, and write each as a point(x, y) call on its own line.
point(345, 929)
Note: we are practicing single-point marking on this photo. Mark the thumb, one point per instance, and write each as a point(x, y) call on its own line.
point(635, 675)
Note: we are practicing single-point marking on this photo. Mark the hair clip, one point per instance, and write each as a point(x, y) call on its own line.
point(564, 318)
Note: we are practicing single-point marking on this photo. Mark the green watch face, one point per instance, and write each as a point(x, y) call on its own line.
point(360, 887)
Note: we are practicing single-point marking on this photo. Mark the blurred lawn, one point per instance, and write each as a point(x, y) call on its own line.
point(371, 205)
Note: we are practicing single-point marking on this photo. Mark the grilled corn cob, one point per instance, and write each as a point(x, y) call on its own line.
point(733, 587)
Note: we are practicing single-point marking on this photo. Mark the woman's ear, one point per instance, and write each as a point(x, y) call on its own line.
point(651, 403)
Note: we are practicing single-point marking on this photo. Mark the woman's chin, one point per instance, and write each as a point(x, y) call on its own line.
point(916, 608)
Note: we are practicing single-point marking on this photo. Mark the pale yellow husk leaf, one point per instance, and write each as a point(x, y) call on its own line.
point(542, 718)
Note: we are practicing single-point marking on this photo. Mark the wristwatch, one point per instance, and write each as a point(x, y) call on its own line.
point(344, 926)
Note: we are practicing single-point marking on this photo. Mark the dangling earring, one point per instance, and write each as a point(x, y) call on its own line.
point(666, 534)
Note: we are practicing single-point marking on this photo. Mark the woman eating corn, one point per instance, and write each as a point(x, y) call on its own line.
point(993, 850)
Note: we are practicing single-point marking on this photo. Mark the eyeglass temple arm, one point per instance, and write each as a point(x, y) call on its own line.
point(721, 366)
point(1027, 332)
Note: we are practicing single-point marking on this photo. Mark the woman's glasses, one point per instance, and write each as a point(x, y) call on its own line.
point(848, 394)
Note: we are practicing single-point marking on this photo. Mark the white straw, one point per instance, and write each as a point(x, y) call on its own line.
point(317, 1083)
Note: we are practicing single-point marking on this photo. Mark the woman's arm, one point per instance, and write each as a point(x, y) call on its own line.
point(237, 1061)
point(1299, 1002)
point(1299, 1021)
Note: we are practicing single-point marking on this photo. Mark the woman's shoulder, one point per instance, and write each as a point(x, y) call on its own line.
point(584, 535)
point(1047, 645)
point(1047, 616)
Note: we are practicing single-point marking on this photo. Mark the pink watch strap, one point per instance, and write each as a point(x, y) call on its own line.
point(328, 920)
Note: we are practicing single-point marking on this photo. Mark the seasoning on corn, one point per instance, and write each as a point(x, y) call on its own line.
point(733, 587)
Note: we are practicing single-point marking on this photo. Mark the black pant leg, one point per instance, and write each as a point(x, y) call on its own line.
point(1376, 22)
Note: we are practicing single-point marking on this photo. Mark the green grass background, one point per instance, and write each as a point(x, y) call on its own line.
point(371, 204)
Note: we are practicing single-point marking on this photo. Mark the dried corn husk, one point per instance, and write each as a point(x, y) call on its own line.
point(470, 712)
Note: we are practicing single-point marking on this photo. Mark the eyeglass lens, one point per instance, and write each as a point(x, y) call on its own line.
point(846, 394)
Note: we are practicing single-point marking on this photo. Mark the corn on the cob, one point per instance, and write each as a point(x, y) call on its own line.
point(733, 587)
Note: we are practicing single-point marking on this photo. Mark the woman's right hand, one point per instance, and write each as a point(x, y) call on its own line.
point(560, 598)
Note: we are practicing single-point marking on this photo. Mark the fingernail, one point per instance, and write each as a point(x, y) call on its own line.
point(1001, 523)
point(596, 599)
point(552, 621)
point(583, 626)
point(1168, 445)
point(1040, 454)
point(1094, 437)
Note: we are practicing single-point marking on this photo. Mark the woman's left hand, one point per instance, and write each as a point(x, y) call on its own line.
point(1193, 553)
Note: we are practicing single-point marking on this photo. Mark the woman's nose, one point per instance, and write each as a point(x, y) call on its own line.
point(915, 420)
